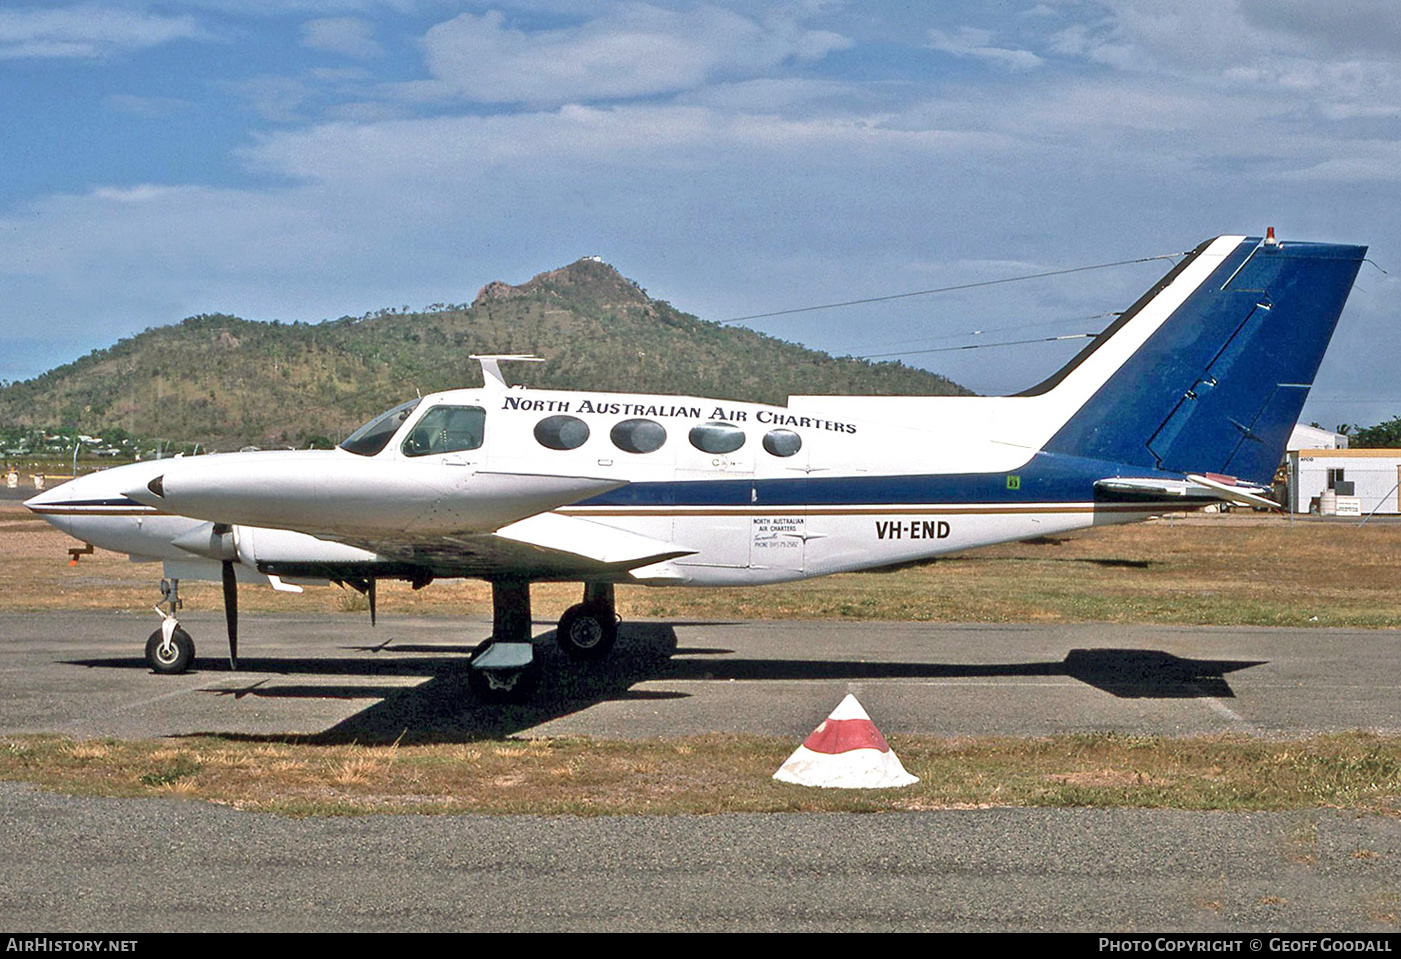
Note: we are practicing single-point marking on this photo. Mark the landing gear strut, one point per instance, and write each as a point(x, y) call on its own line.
point(503, 669)
point(588, 630)
point(170, 649)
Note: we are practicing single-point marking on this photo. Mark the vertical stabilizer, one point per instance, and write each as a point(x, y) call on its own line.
point(1210, 369)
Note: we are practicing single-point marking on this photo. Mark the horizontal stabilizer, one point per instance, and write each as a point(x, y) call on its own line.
point(591, 541)
point(1227, 489)
point(1195, 490)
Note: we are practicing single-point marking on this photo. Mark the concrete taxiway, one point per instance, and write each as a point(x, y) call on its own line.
point(83, 674)
point(118, 865)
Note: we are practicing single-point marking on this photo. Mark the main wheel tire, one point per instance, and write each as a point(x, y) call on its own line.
point(175, 659)
point(587, 631)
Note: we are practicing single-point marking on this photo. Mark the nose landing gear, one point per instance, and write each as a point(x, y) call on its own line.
point(170, 650)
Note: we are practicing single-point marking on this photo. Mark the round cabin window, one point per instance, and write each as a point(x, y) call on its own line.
point(562, 432)
point(782, 442)
point(638, 436)
point(717, 437)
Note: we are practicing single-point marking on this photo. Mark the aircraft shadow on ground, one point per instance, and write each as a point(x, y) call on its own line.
point(442, 709)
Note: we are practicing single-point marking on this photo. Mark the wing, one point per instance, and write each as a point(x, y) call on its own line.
point(544, 546)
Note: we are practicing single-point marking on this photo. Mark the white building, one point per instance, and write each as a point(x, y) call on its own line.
point(1313, 438)
point(1319, 478)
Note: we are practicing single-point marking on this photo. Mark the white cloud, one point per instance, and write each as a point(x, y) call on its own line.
point(87, 31)
point(468, 151)
point(631, 50)
point(793, 96)
point(1221, 38)
point(1351, 28)
point(975, 43)
point(428, 209)
point(1366, 161)
point(348, 36)
point(1186, 36)
point(1288, 78)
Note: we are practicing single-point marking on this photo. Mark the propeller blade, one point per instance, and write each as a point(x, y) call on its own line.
point(371, 593)
point(231, 610)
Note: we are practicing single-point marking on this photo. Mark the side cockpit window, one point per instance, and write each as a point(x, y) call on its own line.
point(375, 435)
point(446, 429)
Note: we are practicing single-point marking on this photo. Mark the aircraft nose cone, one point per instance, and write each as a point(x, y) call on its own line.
point(43, 504)
point(49, 497)
point(39, 500)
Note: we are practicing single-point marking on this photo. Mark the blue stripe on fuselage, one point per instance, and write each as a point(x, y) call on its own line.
point(117, 501)
point(1047, 478)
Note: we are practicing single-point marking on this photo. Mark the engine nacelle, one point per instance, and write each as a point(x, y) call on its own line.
point(331, 492)
point(273, 546)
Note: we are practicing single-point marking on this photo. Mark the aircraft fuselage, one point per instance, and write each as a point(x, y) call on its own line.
point(752, 493)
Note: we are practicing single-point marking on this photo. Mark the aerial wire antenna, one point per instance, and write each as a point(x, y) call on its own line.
point(952, 289)
point(921, 341)
point(982, 346)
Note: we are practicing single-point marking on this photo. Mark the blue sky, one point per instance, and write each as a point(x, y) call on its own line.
point(308, 159)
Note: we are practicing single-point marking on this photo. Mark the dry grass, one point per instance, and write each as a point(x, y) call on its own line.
point(1223, 570)
point(723, 774)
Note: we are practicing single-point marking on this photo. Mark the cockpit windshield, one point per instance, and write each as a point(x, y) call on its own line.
point(375, 435)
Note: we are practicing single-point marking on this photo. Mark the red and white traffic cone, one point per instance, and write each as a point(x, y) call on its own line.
point(846, 751)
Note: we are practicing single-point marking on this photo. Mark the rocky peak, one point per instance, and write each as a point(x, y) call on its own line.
point(587, 279)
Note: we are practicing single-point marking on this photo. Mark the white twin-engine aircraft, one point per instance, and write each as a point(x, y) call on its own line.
point(1186, 399)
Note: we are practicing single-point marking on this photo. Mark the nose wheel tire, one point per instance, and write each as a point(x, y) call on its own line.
point(170, 658)
point(587, 631)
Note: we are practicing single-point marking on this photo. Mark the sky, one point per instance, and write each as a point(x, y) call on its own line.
point(311, 159)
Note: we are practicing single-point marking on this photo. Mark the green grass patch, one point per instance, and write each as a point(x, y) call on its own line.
point(169, 773)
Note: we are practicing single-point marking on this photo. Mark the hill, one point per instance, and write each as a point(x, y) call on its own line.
point(226, 382)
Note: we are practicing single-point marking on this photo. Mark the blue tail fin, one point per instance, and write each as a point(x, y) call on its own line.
point(1219, 381)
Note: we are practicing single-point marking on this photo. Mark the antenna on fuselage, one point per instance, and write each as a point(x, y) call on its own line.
point(492, 378)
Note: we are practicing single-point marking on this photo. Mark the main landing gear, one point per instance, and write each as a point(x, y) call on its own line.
point(504, 670)
point(588, 630)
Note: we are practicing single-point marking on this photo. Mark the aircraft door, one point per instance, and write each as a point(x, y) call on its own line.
point(779, 533)
point(718, 458)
